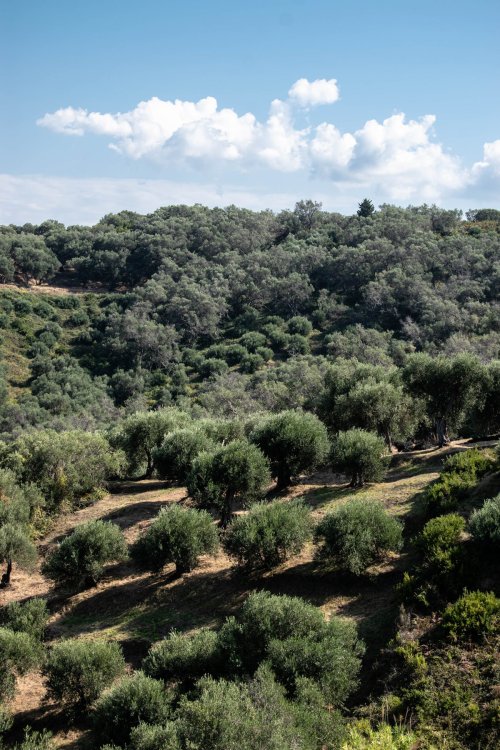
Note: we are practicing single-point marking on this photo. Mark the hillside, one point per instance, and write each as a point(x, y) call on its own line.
point(249, 481)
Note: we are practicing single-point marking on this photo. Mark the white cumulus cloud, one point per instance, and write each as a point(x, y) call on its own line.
point(311, 93)
point(398, 157)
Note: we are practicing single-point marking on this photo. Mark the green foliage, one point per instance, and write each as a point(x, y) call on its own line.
point(294, 442)
point(439, 571)
point(19, 653)
point(366, 208)
point(461, 472)
point(134, 700)
point(66, 466)
point(29, 617)
point(293, 635)
point(227, 715)
point(268, 534)
point(175, 456)
point(154, 737)
point(142, 432)
point(77, 671)
point(330, 657)
point(35, 740)
point(178, 535)
point(79, 560)
point(357, 534)
point(236, 471)
point(361, 736)
point(360, 455)
point(184, 658)
point(472, 616)
point(484, 524)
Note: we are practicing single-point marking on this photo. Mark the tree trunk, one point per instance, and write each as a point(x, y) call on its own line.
point(283, 479)
point(6, 576)
point(227, 509)
point(149, 470)
point(442, 438)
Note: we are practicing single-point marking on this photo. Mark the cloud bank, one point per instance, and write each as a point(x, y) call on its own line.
point(397, 156)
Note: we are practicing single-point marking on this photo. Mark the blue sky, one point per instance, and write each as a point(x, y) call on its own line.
point(358, 122)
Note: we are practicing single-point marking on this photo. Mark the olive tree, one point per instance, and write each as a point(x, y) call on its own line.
point(268, 534)
point(236, 471)
point(294, 442)
point(16, 545)
point(77, 671)
point(357, 534)
point(359, 454)
point(79, 560)
point(174, 457)
point(178, 535)
point(141, 433)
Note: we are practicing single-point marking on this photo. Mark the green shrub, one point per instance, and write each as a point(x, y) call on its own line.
point(19, 653)
point(360, 455)
point(438, 573)
point(26, 617)
point(251, 363)
point(268, 534)
point(252, 340)
point(361, 736)
point(357, 534)
point(472, 616)
point(485, 524)
point(81, 557)
point(184, 658)
point(212, 367)
point(34, 740)
point(300, 325)
point(471, 463)
point(78, 671)
point(154, 737)
point(178, 535)
point(175, 456)
point(134, 700)
point(461, 472)
point(331, 657)
point(439, 543)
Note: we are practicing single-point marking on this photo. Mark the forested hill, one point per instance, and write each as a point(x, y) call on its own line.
point(226, 306)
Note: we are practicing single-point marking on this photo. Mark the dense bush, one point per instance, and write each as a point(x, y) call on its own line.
point(472, 616)
point(77, 671)
point(268, 534)
point(184, 658)
point(29, 617)
point(357, 534)
point(293, 442)
point(362, 736)
point(178, 535)
point(79, 560)
point(438, 573)
point(19, 653)
point(226, 715)
point(485, 524)
point(175, 456)
point(330, 657)
point(359, 454)
point(134, 700)
point(140, 433)
point(66, 465)
point(461, 472)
